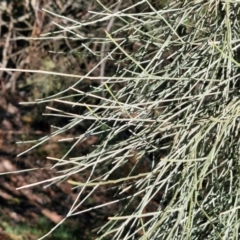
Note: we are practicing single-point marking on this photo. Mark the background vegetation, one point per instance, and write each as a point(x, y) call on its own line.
point(159, 108)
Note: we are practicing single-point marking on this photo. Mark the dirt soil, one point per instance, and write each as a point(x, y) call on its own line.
point(29, 204)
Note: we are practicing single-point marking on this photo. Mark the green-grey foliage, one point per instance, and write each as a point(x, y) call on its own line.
point(170, 107)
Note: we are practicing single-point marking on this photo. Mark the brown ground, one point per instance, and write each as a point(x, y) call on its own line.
point(17, 123)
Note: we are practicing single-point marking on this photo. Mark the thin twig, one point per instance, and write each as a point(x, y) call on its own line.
point(105, 46)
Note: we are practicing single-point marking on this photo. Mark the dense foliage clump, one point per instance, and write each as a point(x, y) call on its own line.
point(163, 109)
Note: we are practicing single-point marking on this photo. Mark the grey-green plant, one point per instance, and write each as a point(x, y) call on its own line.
point(170, 108)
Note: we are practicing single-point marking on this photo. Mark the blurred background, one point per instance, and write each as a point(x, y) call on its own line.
point(29, 213)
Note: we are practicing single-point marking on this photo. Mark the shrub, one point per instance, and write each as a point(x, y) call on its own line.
point(165, 116)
